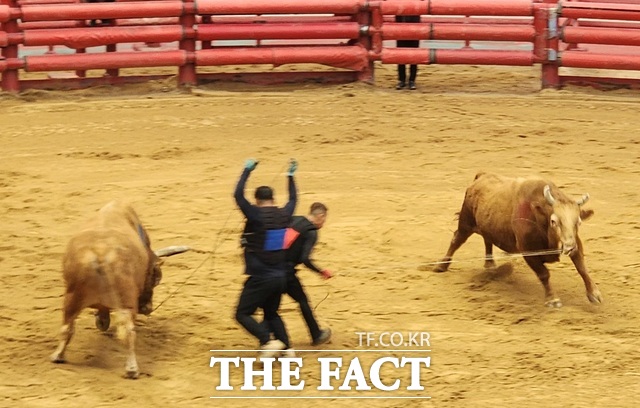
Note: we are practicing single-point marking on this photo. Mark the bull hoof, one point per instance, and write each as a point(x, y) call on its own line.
point(442, 267)
point(131, 369)
point(595, 297)
point(554, 303)
point(57, 358)
point(103, 321)
point(145, 309)
point(132, 375)
point(489, 265)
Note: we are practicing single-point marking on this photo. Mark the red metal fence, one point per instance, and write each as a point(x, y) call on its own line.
point(348, 35)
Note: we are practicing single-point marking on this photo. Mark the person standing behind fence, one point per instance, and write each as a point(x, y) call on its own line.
point(99, 22)
point(413, 68)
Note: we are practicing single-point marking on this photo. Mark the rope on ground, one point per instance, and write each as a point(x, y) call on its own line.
point(211, 253)
point(503, 256)
point(486, 258)
point(323, 299)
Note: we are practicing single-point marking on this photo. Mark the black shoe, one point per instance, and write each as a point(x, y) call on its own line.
point(325, 336)
point(401, 85)
point(412, 86)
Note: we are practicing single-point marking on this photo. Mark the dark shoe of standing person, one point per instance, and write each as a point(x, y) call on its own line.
point(325, 336)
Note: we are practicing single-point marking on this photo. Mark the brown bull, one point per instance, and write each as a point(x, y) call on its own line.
point(524, 215)
point(109, 266)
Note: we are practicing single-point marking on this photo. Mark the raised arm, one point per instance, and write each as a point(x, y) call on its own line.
point(290, 207)
point(250, 211)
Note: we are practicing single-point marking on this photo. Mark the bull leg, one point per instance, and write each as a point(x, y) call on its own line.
point(537, 264)
point(71, 311)
point(128, 329)
point(488, 251)
point(459, 238)
point(593, 293)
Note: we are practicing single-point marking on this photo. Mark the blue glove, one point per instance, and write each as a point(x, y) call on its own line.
point(251, 164)
point(293, 166)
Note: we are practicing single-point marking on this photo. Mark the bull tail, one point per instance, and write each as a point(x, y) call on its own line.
point(101, 266)
point(98, 268)
point(122, 317)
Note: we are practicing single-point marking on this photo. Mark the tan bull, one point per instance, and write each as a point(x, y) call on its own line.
point(524, 215)
point(109, 266)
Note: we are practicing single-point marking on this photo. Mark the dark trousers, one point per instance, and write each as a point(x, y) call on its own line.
point(296, 291)
point(262, 292)
point(413, 69)
point(402, 73)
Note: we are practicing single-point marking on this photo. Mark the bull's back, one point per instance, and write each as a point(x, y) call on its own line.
point(491, 199)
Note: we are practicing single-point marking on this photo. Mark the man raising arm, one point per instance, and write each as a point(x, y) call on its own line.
point(265, 262)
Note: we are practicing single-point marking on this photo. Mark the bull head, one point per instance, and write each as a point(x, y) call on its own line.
point(154, 276)
point(565, 220)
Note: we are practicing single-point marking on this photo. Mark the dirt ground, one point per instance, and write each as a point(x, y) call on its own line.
point(392, 167)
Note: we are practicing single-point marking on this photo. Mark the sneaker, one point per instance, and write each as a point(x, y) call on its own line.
point(289, 353)
point(271, 348)
point(412, 86)
point(401, 85)
point(325, 336)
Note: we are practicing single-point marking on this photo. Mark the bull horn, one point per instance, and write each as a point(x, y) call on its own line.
point(583, 200)
point(172, 250)
point(548, 196)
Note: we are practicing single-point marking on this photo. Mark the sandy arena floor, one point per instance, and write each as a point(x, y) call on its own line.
point(392, 168)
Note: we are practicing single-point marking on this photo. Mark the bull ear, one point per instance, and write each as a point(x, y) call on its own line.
point(586, 214)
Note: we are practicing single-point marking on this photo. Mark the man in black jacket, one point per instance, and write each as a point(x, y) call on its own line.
point(298, 253)
point(265, 262)
point(413, 68)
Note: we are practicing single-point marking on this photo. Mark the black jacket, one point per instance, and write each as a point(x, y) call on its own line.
point(300, 250)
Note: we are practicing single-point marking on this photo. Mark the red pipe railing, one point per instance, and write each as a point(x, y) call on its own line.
point(217, 7)
point(443, 31)
point(579, 59)
point(89, 11)
point(601, 36)
point(464, 56)
point(350, 57)
point(115, 60)
point(357, 33)
point(459, 7)
point(602, 11)
point(278, 31)
point(89, 37)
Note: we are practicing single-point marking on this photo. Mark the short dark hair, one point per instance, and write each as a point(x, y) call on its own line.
point(264, 193)
point(318, 208)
